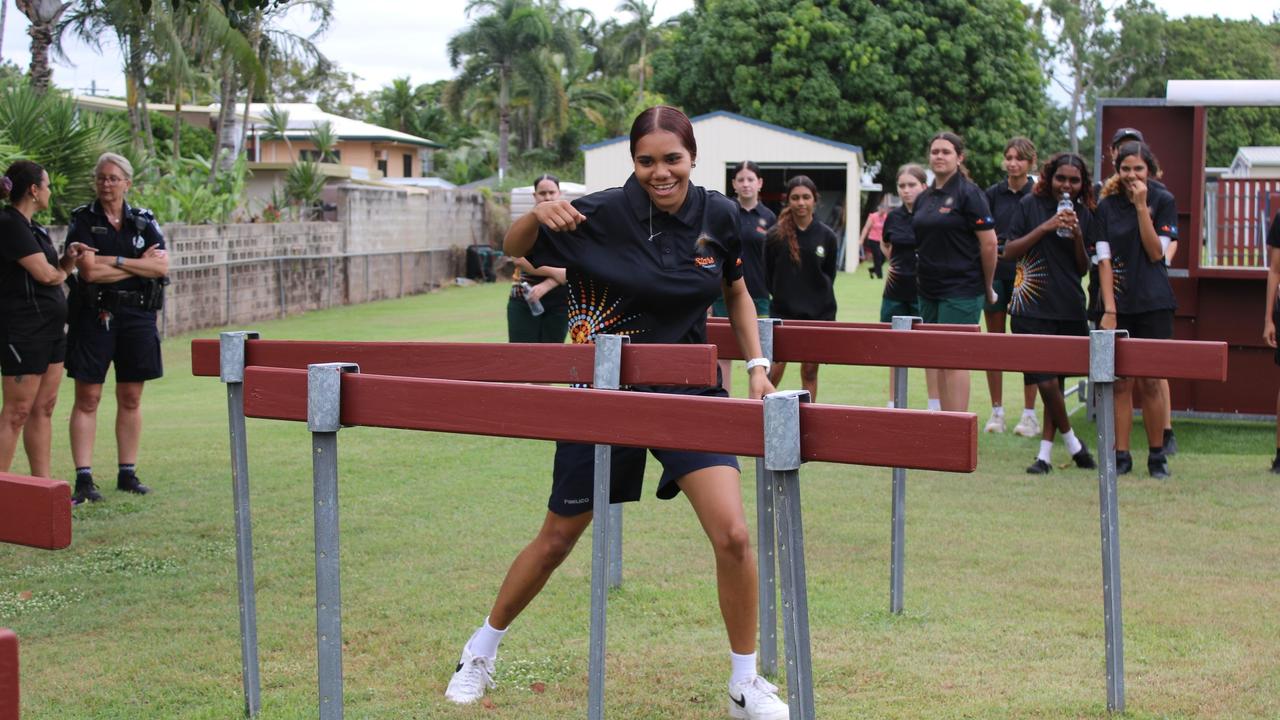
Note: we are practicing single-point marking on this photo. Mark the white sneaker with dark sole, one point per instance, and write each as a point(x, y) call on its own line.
point(1028, 426)
point(756, 699)
point(473, 676)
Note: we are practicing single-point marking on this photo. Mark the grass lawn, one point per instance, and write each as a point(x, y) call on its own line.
point(1003, 589)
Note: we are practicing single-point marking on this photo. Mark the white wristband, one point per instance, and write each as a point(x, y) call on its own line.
point(1164, 243)
point(1103, 250)
point(758, 362)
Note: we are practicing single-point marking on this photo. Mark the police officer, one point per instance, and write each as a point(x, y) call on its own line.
point(112, 319)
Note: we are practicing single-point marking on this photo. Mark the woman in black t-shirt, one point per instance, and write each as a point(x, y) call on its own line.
point(800, 262)
point(1271, 312)
point(545, 285)
point(33, 311)
point(899, 245)
point(1047, 298)
point(644, 260)
point(1136, 223)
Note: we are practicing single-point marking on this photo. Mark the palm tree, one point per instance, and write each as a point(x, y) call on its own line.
point(502, 42)
point(44, 16)
point(640, 38)
point(277, 120)
point(325, 140)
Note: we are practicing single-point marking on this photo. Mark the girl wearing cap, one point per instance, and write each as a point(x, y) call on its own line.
point(1136, 222)
point(956, 255)
point(801, 261)
point(546, 285)
point(644, 260)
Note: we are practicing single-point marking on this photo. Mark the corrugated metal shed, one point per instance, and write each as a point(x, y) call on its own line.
point(726, 139)
point(1256, 162)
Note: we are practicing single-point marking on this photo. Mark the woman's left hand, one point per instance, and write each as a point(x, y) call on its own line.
point(759, 384)
point(1137, 190)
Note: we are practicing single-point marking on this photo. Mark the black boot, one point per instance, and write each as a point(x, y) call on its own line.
point(86, 491)
point(1124, 462)
point(1170, 444)
point(1158, 464)
point(128, 482)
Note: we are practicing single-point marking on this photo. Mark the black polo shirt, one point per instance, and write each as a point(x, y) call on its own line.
point(804, 290)
point(1095, 293)
point(1047, 285)
point(27, 308)
point(1140, 283)
point(1004, 206)
point(900, 285)
point(653, 285)
point(1273, 240)
point(138, 232)
point(949, 256)
point(753, 229)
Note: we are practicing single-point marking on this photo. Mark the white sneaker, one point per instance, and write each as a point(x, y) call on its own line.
point(756, 699)
point(996, 423)
point(1028, 426)
point(473, 676)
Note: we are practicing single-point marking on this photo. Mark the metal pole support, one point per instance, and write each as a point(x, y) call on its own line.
point(1102, 377)
point(782, 460)
point(324, 391)
point(608, 369)
point(231, 354)
point(766, 555)
point(898, 534)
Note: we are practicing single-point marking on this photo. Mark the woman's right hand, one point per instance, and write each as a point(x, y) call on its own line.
point(1108, 321)
point(992, 297)
point(1269, 332)
point(558, 215)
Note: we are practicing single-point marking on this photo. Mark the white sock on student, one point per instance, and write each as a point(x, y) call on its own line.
point(485, 641)
point(1046, 451)
point(744, 667)
point(1029, 413)
point(997, 410)
point(1072, 442)
point(890, 405)
point(935, 404)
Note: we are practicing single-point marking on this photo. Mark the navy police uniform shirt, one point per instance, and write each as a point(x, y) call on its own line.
point(138, 232)
point(900, 284)
point(949, 257)
point(753, 230)
point(1047, 284)
point(1003, 201)
point(638, 271)
point(1140, 284)
point(28, 308)
point(804, 290)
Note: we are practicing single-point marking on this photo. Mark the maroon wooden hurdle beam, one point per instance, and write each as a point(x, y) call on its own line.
point(35, 512)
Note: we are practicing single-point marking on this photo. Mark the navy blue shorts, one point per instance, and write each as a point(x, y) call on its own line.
point(573, 479)
point(31, 356)
point(131, 342)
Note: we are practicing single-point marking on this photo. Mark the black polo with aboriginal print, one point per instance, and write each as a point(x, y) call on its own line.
point(638, 271)
point(1047, 282)
point(1140, 284)
point(949, 256)
point(900, 283)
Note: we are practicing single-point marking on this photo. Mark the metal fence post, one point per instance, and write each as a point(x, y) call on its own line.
point(782, 460)
point(324, 388)
point(231, 353)
point(608, 376)
point(898, 535)
point(766, 553)
point(1102, 377)
point(608, 365)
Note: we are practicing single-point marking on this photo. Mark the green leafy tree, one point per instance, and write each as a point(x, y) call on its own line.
point(1082, 48)
point(885, 76)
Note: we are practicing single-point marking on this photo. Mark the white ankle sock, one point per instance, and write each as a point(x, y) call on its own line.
point(1046, 451)
point(1029, 413)
point(997, 410)
point(890, 405)
point(485, 640)
point(935, 404)
point(1072, 442)
point(744, 667)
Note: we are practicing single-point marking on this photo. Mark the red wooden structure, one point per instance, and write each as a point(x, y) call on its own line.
point(35, 512)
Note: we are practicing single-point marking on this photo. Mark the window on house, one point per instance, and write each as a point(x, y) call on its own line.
point(314, 155)
point(408, 165)
point(382, 167)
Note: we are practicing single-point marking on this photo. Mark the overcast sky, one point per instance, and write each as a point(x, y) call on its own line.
point(380, 40)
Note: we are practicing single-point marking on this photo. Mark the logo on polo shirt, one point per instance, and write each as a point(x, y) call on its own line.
point(706, 263)
point(1169, 229)
point(988, 220)
point(820, 251)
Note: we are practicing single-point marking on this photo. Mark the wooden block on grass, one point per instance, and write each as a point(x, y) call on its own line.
point(35, 512)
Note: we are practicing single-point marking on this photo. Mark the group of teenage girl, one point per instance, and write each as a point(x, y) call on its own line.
point(652, 259)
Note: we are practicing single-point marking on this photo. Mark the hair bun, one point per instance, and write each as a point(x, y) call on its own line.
point(6, 184)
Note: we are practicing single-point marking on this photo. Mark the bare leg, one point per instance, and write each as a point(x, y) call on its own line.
point(776, 371)
point(716, 496)
point(726, 375)
point(809, 379)
point(1055, 409)
point(128, 421)
point(953, 385)
point(1168, 407)
point(1029, 397)
point(39, 429)
point(932, 384)
point(1154, 411)
point(533, 566)
point(19, 396)
point(1124, 412)
point(995, 378)
point(84, 422)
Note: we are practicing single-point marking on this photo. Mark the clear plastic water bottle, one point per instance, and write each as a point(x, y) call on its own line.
point(1065, 204)
point(535, 305)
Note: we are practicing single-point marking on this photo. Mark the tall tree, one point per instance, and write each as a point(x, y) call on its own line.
point(44, 16)
point(640, 36)
point(1078, 56)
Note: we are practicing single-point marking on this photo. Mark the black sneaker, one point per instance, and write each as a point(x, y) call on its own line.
point(1084, 460)
point(1158, 467)
point(1170, 443)
point(1275, 466)
point(131, 484)
point(1124, 462)
point(1039, 467)
point(86, 491)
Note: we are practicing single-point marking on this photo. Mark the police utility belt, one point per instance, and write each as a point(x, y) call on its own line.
point(150, 297)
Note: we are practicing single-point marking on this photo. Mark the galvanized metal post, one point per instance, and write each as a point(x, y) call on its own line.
point(231, 372)
point(1102, 377)
point(608, 364)
point(324, 389)
point(608, 376)
point(782, 460)
point(766, 554)
point(898, 543)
